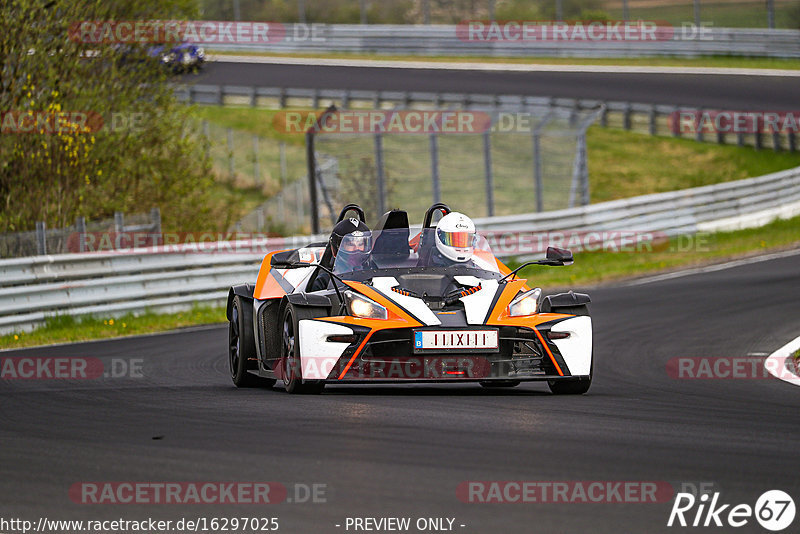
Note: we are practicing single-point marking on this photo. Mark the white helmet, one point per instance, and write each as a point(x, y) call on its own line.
point(455, 236)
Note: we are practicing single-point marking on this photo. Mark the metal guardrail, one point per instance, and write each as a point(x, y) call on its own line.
point(451, 40)
point(170, 278)
point(652, 119)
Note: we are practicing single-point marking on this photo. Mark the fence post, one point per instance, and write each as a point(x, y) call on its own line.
point(155, 218)
point(255, 160)
point(312, 174)
point(260, 219)
point(379, 175)
point(487, 166)
point(284, 172)
point(80, 229)
point(537, 162)
point(231, 167)
point(41, 238)
point(437, 187)
point(298, 186)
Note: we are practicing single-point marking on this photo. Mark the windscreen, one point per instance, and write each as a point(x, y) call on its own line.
point(399, 248)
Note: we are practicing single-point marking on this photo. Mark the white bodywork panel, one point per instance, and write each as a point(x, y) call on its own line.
point(577, 348)
point(477, 304)
point(318, 356)
point(414, 305)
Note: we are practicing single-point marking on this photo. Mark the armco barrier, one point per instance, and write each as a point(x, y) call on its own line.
point(445, 40)
point(170, 278)
point(653, 119)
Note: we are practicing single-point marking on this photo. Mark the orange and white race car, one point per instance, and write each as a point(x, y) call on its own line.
point(395, 305)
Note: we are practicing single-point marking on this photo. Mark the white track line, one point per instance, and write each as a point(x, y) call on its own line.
point(712, 268)
point(775, 364)
point(500, 67)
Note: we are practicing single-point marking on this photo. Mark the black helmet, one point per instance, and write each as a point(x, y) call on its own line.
point(350, 226)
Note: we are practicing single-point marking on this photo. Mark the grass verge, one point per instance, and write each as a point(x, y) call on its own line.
point(67, 329)
point(592, 268)
point(728, 62)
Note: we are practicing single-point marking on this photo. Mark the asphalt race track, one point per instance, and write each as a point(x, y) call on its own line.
point(694, 90)
point(402, 451)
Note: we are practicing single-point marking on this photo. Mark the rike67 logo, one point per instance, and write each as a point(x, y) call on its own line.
point(774, 510)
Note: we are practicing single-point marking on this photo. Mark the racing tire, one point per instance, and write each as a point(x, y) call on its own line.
point(242, 347)
point(578, 386)
point(490, 384)
point(290, 352)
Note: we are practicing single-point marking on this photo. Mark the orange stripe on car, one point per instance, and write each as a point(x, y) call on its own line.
point(547, 349)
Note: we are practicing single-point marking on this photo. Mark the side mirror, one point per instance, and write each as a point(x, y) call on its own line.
point(559, 256)
point(284, 260)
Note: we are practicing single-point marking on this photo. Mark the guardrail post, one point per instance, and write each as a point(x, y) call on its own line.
point(119, 222)
point(698, 134)
point(253, 96)
point(487, 167)
point(791, 137)
point(379, 175)
point(675, 123)
point(282, 98)
point(41, 238)
point(437, 187)
point(315, 99)
point(720, 138)
point(652, 120)
point(80, 229)
point(776, 141)
point(739, 139)
point(627, 116)
point(604, 117)
point(220, 98)
point(346, 99)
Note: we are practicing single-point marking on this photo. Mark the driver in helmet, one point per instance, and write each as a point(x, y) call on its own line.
point(455, 240)
point(346, 255)
point(351, 242)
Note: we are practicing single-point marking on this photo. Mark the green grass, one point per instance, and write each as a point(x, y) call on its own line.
point(67, 329)
point(731, 62)
point(626, 164)
point(621, 163)
point(752, 14)
point(597, 267)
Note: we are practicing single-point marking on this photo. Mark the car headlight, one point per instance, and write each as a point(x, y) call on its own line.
point(525, 304)
point(361, 306)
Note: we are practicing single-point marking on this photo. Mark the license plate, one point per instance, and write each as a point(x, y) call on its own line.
point(467, 340)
